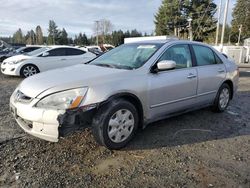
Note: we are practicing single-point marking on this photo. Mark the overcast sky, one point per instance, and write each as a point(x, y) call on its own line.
point(79, 15)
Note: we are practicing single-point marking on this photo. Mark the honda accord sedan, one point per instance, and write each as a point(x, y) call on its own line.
point(125, 89)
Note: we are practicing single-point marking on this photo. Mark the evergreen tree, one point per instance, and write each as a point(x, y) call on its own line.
point(18, 37)
point(31, 37)
point(63, 37)
point(241, 16)
point(202, 14)
point(85, 40)
point(117, 37)
point(172, 17)
point(135, 33)
point(52, 33)
point(169, 17)
point(39, 35)
point(81, 39)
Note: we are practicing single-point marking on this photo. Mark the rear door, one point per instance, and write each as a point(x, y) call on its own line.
point(211, 73)
point(173, 90)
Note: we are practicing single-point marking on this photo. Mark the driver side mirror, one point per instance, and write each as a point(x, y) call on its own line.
point(44, 54)
point(166, 65)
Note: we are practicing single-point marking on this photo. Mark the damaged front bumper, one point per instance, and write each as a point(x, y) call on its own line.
point(76, 119)
point(49, 124)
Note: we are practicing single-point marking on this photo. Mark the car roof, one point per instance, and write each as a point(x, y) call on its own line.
point(152, 41)
point(168, 41)
point(62, 46)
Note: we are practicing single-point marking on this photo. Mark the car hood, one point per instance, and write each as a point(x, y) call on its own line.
point(81, 75)
point(16, 58)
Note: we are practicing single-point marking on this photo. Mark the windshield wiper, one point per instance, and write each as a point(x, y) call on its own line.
point(105, 65)
point(114, 66)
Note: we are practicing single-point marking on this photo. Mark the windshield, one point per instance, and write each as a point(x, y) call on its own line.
point(127, 56)
point(38, 51)
point(20, 49)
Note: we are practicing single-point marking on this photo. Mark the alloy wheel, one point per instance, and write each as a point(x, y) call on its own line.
point(29, 71)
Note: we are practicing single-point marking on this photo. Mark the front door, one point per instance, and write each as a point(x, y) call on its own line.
point(173, 90)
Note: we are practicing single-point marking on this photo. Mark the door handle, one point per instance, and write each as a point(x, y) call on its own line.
point(63, 59)
point(190, 76)
point(221, 71)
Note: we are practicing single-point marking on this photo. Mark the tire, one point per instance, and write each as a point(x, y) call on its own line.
point(28, 70)
point(222, 99)
point(115, 124)
point(2, 59)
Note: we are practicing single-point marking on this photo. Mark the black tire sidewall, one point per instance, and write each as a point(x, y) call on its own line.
point(218, 106)
point(111, 108)
point(22, 69)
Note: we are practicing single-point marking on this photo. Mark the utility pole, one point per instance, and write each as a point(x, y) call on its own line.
point(97, 32)
point(224, 24)
point(190, 29)
point(240, 28)
point(218, 24)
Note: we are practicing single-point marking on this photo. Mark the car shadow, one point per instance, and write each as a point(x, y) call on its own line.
point(195, 127)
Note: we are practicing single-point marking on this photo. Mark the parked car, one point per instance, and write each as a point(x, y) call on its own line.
point(44, 59)
point(4, 52)
point(93, 49)
point(22, 50)
point(125, 89)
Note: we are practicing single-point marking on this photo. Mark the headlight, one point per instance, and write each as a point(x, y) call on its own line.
point(63, 100)
point(16, 62)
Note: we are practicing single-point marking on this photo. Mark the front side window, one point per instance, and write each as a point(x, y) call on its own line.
point(204, 55)
point(30, 49)
point(180, 54)
point(127, 56)
point(38, 51)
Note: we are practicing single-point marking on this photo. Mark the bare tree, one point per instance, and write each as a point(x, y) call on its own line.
point(102, 28)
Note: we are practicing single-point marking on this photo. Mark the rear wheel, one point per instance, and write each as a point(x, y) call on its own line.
point(222, 98)
point(115, 124)
point(28, 70)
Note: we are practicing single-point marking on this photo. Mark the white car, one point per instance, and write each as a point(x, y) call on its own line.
point(44, 59)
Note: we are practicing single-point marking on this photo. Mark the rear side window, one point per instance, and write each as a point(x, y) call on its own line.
point(204, 55)
point(180, 54)
point(57, 52)
point(72, 51)
point(217, 59)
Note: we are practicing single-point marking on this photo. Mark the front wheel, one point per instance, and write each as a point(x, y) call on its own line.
point(28, 70)
point(222, 98)
point(115, 124)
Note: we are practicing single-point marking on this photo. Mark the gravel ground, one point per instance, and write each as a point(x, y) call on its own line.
point(198, 149)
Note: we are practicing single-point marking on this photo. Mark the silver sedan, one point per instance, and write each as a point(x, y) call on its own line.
point(125, 89)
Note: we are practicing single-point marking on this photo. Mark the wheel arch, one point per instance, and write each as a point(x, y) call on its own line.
point(230, 83)
point(20, 72)
point(134, 100)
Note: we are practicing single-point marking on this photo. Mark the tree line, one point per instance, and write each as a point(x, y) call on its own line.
point(174, 17)
point(178, 17)
point(56, 36)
